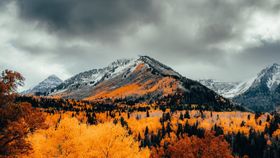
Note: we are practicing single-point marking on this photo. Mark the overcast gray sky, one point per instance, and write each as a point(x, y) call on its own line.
point(229, 40)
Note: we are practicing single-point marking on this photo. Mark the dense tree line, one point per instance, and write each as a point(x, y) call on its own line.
point(254, 145)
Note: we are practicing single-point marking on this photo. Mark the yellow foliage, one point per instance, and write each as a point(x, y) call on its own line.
point(139, 126)
point(168, 84)
point(74, 139)
point(276, 133)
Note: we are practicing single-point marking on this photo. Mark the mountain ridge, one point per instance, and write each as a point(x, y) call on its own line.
point(138, 80)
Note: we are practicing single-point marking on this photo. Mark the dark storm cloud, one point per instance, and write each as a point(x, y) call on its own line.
point(94, 18)
point(209, 35)
point(252, 60)
point(266, 52)
point(218, 20)
point(204, 29)
point(28, 48)
point(3, 3)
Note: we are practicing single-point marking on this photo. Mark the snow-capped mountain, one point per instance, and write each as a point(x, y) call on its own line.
point(121, 67)
point(222, 88)
point(268, 77)
point(45, 86)
point(259, 93)
point(132, 81)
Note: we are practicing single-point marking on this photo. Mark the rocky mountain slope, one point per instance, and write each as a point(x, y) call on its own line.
point(142, 80)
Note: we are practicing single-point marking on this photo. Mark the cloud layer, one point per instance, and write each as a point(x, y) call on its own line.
point(91, 18)
point(200, 39)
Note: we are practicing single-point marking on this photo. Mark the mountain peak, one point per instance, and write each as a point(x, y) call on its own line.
point(53, 77)
point(159, 67)
point(275, 65)
point(274, 68)
point(45, 86)
point(50, 80)
point(145, 57)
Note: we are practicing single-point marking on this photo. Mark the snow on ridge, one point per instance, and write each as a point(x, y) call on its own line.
point(128, 64)
point(94, 76)
point(240, 88)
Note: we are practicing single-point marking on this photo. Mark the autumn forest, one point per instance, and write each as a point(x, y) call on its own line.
point(52, 127)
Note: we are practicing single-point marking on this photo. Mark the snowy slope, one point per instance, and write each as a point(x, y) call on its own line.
point(95, 76)
point(239, 89)
point(222, 88)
